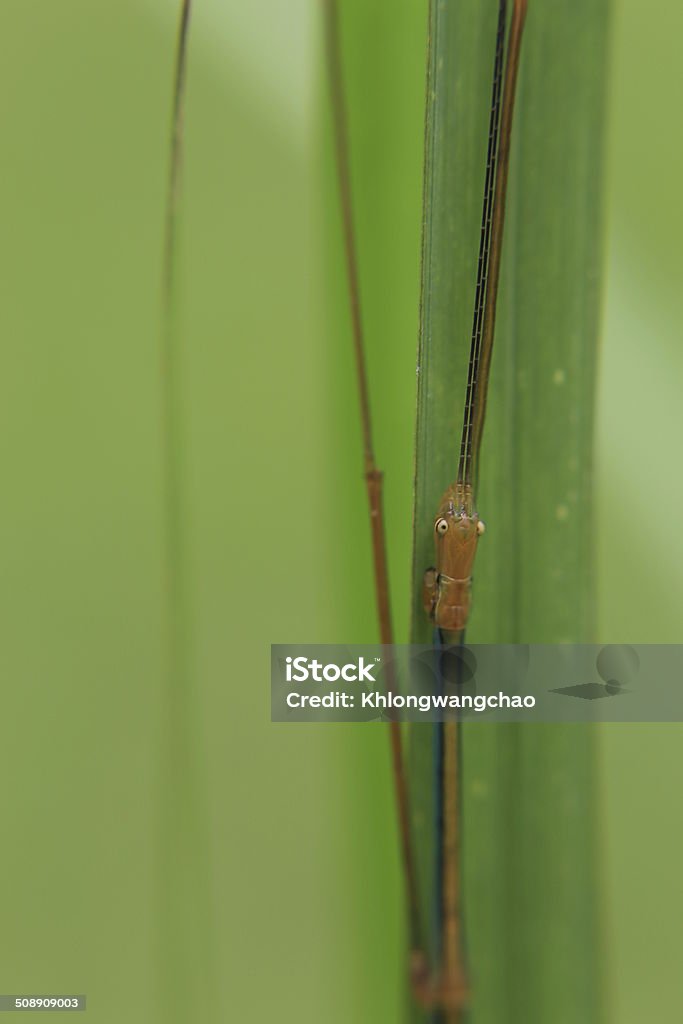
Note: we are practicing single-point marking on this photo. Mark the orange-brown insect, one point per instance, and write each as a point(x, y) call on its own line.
point(447, 589)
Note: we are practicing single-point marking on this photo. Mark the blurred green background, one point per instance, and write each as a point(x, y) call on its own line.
point(297, 836)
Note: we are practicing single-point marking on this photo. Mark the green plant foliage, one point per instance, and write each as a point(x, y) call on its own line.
point(528, 817)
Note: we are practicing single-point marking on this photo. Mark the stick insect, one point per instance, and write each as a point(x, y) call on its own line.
point(447, 586)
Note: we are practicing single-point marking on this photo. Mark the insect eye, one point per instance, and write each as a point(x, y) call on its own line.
point(441, 526)
point(480, 528)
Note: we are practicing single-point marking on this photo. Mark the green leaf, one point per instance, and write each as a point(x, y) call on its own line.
point(529, 791)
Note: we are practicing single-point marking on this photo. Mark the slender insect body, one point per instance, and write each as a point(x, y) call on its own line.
point(447, 589)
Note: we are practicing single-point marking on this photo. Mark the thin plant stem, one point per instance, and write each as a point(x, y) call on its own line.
point(373, 475)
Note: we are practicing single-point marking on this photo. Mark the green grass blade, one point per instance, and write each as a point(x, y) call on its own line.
point(186, 963)
point(529, 850)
